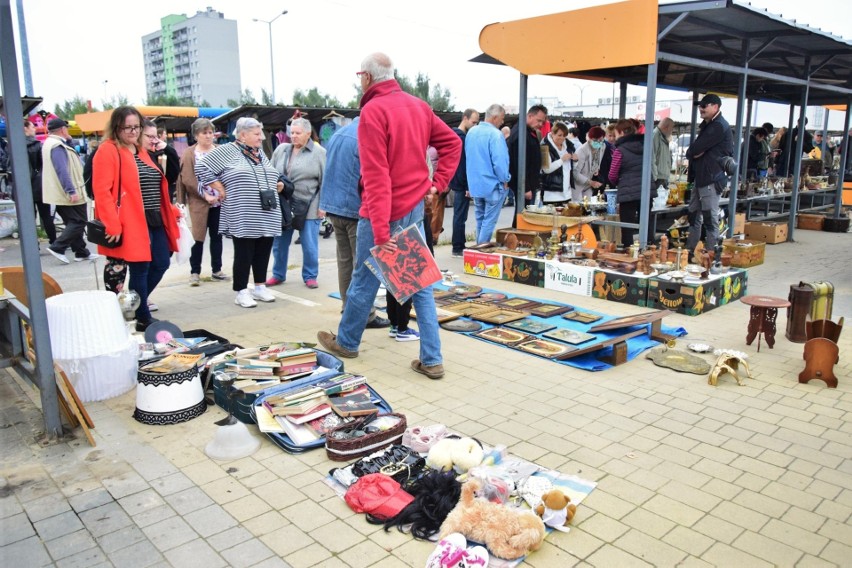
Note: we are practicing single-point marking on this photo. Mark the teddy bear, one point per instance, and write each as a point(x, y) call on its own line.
point(507, 532)
point(454, 452)
point(556, 509)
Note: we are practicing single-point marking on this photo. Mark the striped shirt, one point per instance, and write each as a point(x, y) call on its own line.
point(149, 183)
point(242, 215)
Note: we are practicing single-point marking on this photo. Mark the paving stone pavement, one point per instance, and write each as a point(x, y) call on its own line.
point(688, 474)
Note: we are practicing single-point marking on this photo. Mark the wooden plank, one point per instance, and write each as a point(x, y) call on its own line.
point(74, 409)
point(629, 321)
point(602, 344)
point(89, 422)
point(66, 410)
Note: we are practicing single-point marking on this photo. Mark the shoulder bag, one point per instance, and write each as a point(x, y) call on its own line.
point(95, 229)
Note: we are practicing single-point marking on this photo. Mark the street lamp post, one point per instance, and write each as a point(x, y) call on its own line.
point(583, 88)
point(105, 81)
point(271, 61)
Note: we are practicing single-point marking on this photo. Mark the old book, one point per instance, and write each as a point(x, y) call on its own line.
point(298, 433)
point(261, 363)
point(358, 402)
point(341, 383)
point(266, 422)
point(320, 410)
point(297, 369)
point(408, 269)
point(300, 406)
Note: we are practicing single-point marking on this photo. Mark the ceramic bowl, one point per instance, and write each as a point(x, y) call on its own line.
point(694, 269)
point(661, 267)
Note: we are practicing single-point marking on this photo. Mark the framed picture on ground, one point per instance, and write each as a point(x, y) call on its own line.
point(544, 348)
point(499, 317)
point(502, 335)
point(468, 308)
point(530, 325)
point(582, 317)
point(569, 336)
point(548, 310)
point(519, 304)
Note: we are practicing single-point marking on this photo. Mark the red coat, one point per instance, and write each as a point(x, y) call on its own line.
point(393, 133)
point(130, 219)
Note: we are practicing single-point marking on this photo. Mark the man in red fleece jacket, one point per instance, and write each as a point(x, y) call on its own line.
point(393, 134)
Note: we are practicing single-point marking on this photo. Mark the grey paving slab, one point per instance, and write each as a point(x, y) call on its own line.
point(105, 519)
point(58, 525)
point(28, 552)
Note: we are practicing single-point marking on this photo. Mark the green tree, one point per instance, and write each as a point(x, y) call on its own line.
point(246, 98)
point(169, 100)
point(313, 98)
point(266, 98)
point(437, 97)
point(116, 101)
point(68, 109)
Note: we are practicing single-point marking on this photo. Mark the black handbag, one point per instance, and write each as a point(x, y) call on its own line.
point(268, 199)
point(95, 229)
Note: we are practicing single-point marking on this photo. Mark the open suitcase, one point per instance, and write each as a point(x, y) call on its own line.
point(283, 441)
point(823, 299)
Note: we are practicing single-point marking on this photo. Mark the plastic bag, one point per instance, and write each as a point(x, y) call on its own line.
point(185, 241)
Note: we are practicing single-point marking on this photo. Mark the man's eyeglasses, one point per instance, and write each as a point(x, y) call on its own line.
point(134, 128)
point(361, 73)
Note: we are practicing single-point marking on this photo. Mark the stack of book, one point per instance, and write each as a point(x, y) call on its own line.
point(307, 413)
point(258, 369)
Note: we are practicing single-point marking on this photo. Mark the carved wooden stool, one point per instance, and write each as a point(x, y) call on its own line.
point(821, 351)
point(764, 312)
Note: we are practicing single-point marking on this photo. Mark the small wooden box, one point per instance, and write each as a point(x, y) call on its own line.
point(771, 233)
point(809, 222)
point(745, 253)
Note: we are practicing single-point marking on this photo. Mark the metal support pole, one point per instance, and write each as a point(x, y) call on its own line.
point(520, 201)
point(648, 153)
point(271, 61)
point(844, 155)
point(797, 164)
point(622, 100)
point(741, 106)
point(694, 116)
point(26, 223)
point(788, 143)
point(743, 150)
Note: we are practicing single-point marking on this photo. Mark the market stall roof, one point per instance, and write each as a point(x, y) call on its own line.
point(701, 47)
point(275, 117)
point(28, 104)
point(175, 119)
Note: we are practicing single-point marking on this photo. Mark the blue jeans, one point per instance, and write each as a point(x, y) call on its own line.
point(144, 276)
point(487, 213)
point(310, 251)
point(461, 205)
point(364, 286)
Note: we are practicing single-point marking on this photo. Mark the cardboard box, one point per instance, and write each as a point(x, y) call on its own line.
point(740, 223)
point(745, 253)
point(771, 233)
point(733, 286)
point(482, 264)
point(568, 278)
point(523, 270)
point(617, 287)
point(809, 222)
point(683, 298)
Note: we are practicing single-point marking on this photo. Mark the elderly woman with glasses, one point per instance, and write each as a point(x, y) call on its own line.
point(132, 200)
point(247, 186)
point(592, 169)
point(303, 162)
point(203, 204)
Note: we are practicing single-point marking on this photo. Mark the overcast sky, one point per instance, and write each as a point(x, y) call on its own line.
point(93, 48)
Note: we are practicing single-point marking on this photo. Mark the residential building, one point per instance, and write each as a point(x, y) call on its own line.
point(196, 57)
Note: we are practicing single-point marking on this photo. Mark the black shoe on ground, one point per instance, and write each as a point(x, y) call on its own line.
point(378, 323)
point(143, 325)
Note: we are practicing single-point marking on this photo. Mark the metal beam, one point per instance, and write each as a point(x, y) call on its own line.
point(844, 155)
point(760, 49)
point(695, 62)
point(692, 7)
point(735, 182)
point(26, 224)
point(797, 155)
point(523, 139)
point(622, 99)
point(671, 26)
point(648, 153)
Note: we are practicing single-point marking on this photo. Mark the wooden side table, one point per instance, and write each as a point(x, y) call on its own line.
point(764, 312)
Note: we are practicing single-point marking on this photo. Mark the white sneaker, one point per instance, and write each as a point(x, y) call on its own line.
point(92, 256)
point(261, 293)
point(58, 256)
point(244, 299)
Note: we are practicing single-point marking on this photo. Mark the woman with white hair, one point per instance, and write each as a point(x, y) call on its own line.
point(303, 162)
point(247, 186)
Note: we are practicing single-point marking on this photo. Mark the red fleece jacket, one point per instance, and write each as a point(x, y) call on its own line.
point(393, 134)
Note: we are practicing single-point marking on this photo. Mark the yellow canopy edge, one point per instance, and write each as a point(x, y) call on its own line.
point(527, 45)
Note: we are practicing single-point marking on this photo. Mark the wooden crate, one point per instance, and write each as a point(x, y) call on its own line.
point(809, 222)
point(745, 253)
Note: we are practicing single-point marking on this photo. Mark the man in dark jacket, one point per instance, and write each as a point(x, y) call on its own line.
point(461, 197)
point(535, 120)
point(713, 143)
point(36, 165)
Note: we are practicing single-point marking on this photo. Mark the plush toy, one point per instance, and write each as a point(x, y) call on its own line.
point(507, 532)
point(556, 509)
point(459, 453)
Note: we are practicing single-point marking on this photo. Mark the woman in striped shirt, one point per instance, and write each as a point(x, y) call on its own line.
point(238, 172)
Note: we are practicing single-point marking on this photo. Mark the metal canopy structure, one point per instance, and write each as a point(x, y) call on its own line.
point(722, 46)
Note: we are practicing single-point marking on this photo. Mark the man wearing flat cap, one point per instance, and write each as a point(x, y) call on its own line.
point(63, 186)
point(706, 156)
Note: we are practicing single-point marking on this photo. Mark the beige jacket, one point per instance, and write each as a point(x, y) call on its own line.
point(52, 190)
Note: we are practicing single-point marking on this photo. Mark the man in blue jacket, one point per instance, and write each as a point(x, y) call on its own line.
point(706, 170)
point(340, 199)
point(487, 171)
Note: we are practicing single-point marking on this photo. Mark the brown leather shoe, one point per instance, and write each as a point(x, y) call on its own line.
point(434, 372)
point(329, 341)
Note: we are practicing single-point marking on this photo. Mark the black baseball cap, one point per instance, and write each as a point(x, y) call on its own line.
point(709, 100)
point(55, 124)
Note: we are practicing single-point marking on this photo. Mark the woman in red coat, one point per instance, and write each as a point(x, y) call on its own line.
point(143, 217)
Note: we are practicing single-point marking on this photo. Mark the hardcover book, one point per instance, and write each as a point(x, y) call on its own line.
point(355, 403)
point(408, 269)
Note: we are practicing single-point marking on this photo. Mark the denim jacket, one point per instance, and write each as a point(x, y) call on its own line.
point(342, 172)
